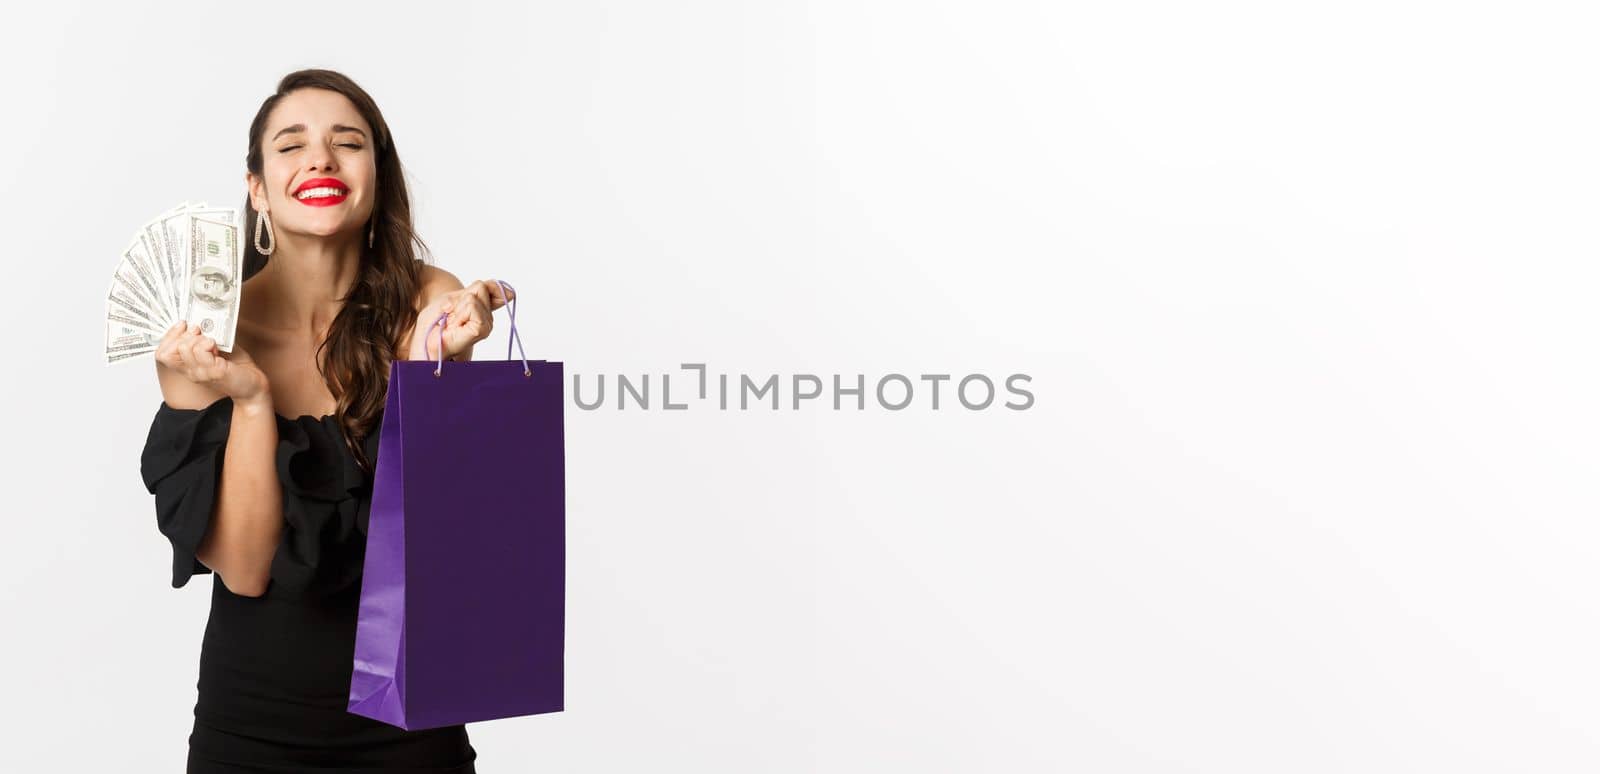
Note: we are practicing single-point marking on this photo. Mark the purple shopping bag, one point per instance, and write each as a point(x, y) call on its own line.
point(463, 593)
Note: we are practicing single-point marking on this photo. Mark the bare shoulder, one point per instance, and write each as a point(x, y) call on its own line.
point(436, 282)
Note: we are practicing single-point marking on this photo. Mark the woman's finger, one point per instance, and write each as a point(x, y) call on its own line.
point(168, 352)
point(180, 353)
point(204, 352)
point(477, 312)
point(191, 346)
point(172, 334)
point(465, 305)
point(497, 296)
point(164, 346)
point(480, 290)
point(194, 349)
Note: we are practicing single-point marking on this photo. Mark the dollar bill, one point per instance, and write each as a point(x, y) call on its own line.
point(131, 339)
point(124, 300)
point(121, 356)
point(213, 279)
point(184, 264)
point(217, 214)
point(119, 316)
point(166, 248)
point(136, 271)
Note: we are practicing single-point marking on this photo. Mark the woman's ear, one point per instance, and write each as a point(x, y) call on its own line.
point(253, 185)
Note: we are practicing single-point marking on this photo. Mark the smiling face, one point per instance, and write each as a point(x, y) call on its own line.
point(319, 172)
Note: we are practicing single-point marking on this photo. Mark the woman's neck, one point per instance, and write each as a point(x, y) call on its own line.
point(305, 281)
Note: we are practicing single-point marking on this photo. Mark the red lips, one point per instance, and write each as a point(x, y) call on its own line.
point(322, 182)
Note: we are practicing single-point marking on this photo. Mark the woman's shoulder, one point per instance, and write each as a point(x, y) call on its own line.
point(435, 280)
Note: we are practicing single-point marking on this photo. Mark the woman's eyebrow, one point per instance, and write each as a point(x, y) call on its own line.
point(302, 127)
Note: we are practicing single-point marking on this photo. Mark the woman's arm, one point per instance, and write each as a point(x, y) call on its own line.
point(470, 319)
point(247, 518)
point(248, 521)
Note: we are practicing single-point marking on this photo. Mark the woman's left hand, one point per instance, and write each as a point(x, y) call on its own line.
point(470, 321)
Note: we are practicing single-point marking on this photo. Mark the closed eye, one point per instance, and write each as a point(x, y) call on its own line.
point(288, 148)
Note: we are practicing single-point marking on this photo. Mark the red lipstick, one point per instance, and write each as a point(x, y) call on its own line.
point(322, 198)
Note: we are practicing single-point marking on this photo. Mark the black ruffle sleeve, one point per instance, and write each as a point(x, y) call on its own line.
point(181, 465)
point(326, 495)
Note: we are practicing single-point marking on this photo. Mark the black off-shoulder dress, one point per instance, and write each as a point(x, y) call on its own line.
point(274, 677)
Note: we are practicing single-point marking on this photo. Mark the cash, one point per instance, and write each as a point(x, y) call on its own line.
point(185, 264)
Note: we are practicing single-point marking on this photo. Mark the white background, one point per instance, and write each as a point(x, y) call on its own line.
point(1305, 291)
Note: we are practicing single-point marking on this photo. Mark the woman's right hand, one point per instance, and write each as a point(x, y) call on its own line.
point(234, 374)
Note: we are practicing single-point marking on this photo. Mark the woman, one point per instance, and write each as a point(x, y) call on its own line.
point(261, 459)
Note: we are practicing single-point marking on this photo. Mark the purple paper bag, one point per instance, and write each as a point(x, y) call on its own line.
point(463, 593)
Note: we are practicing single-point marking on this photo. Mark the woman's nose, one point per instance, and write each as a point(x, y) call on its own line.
point(321, 159)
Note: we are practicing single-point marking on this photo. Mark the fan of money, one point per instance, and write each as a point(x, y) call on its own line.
point(186, 264)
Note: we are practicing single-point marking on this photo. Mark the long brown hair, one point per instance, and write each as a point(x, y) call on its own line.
point(380, 308)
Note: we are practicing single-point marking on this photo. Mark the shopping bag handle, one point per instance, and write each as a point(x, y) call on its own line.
point(511, 309)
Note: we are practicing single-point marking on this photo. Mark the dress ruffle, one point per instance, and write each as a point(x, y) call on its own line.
point(326, 494)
